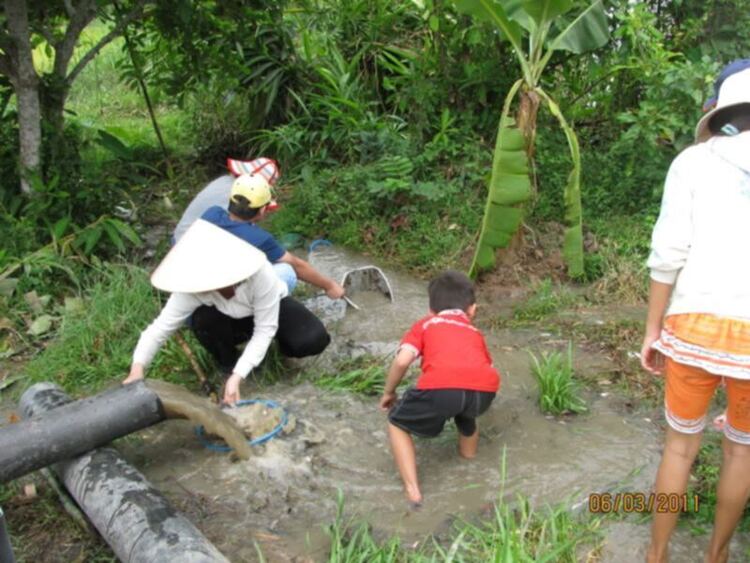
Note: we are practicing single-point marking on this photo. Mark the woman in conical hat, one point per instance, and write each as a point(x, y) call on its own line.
point(230, 292)
point(698, 325)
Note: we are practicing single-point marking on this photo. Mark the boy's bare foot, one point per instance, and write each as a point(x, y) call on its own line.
point(415, 506)
point(413, 495)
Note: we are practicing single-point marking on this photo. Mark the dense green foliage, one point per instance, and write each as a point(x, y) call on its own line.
point(382, 114)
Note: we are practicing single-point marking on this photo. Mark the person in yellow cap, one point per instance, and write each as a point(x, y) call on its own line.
point(248, 203)
point(211, 270)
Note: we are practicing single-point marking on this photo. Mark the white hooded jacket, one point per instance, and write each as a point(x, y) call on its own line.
point(701, 241)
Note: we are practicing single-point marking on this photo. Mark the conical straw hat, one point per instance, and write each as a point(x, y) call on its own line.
point(206, 258)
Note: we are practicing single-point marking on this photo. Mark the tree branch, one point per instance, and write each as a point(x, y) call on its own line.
point(135, 13)
point(47, 34)
point(69, 8)
point(80, 17)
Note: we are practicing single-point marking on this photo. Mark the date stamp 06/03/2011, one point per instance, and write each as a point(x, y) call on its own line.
point(636, 502)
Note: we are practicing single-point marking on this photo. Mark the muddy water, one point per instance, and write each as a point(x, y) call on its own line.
point(179, 403)
point(281, 497)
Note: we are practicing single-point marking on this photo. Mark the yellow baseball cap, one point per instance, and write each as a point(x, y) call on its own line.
point(251, 191)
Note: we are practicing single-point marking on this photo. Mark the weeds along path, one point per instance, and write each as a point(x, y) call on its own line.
point(283, 497)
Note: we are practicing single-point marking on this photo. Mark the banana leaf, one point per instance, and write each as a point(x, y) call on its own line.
point(509, 190)
point(573, 237)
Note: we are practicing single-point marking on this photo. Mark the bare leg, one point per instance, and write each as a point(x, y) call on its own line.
point(732, 494)
point(679, 453)
point(405, 455)
point(467, 445)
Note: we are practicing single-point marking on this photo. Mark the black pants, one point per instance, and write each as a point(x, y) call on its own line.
point(300, 332)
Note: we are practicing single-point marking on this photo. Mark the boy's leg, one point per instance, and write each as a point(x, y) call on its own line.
point(467, 445)
point(734, 480)
point(405, 455)
point(688, 391)
point(474, 403)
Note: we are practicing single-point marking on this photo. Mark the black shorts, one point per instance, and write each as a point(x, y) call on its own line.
point(424, 411)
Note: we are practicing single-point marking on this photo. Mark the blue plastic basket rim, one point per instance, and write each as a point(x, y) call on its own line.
point(200, 432)
point(318, 242)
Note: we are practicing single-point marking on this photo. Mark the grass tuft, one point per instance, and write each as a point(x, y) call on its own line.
point(546, 300)
point(515, 533)
point(364, 375)
point(558, 390)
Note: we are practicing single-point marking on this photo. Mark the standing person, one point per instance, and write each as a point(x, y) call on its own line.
point(249, 200)
point(698, 324)
point(458, 380)
point(233, 296)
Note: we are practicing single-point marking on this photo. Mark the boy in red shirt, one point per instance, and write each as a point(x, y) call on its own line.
point(457, 380)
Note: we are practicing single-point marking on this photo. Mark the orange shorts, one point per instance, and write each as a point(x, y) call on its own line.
point(688, 392)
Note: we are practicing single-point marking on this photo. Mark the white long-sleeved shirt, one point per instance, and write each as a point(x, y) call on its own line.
point(257, 297)
point(701, 241)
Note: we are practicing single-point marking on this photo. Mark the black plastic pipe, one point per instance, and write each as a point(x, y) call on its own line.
point(132, 516)
point(6, 551)
point(71, 429)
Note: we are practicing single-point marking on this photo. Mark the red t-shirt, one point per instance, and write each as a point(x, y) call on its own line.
point(454, 354)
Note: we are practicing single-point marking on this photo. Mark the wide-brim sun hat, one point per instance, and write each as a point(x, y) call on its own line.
point(735, 91)
point(206, 258)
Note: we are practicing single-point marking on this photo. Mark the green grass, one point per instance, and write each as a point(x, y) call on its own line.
point(94, 347)
point(513, 532)
point(364, 375)
point(558, 390)
point(41, 530)
point(546, 300)
point(620, 260)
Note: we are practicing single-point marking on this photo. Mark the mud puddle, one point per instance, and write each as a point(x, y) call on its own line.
point(283, 496)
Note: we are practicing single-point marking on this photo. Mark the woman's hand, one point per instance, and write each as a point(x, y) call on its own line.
point(651, 359)
point(232, 389)
point(136, 374)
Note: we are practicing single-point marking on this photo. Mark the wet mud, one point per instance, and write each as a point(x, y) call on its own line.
point(279, 500)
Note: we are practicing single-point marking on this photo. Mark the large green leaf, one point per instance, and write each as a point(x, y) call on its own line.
point(588, 31)
point(492, 11)
point(543, 11)
point(573, 238)
point(509, 190)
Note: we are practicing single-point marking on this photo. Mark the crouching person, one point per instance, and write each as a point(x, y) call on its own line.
point(233, 295)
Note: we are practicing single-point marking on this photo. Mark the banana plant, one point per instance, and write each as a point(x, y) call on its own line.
point(535, 29)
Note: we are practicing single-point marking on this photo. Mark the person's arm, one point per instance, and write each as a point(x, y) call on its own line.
point(266, 321)
point(307, 273)
point(651, 359)
point(178, 307)
point(670, 247)
point(404, 357)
